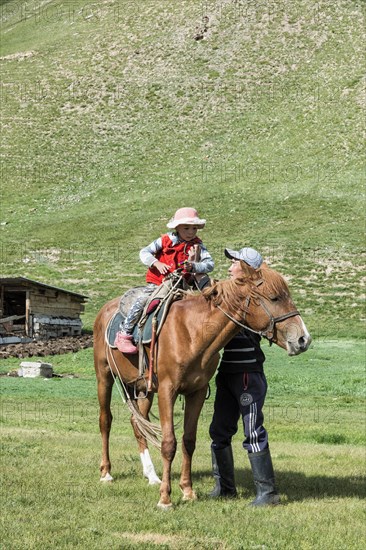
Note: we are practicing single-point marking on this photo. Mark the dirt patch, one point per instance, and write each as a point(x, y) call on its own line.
point(57, 346)
point(17, 56)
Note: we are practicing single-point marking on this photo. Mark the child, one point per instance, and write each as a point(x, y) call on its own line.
point(175, 249)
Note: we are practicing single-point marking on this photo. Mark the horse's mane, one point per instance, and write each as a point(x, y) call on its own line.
point(273, 283)
point(231, 292)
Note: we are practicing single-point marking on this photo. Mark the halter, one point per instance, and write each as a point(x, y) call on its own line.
point(268, 332)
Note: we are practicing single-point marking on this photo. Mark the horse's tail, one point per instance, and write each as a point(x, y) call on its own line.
point(152, 432)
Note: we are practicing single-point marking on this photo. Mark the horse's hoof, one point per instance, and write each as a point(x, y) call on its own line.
point(153, 478)
point(107, 477)
point(163, 506)
point(189, 496)
point(155, 481)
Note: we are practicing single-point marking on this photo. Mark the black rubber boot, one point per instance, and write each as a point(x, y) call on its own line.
point(223, 472)
point(263, 476)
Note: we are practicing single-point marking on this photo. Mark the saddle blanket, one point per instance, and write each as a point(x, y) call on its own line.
point(145, 337)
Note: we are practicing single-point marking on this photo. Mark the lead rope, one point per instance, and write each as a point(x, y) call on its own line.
point(238, 322)
point(152, 432)
point(272, 321)
point(121, 386)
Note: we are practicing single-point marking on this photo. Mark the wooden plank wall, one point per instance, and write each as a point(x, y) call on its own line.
point(49, 313)
point(54, 303)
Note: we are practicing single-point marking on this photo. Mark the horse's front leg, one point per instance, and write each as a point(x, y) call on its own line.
point(167, 397)
point(193, 407)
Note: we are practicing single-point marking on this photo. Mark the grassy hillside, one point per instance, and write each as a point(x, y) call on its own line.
point(114, 115)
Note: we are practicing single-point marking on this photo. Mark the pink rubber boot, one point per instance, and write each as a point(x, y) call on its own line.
point(124, 343)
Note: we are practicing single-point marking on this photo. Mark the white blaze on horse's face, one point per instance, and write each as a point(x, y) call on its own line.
point(296, 336)
point(281, 322)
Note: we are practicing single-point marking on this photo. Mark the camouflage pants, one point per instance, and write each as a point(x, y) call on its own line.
point(137, 308)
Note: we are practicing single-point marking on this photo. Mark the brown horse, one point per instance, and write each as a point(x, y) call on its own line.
point(196, 329)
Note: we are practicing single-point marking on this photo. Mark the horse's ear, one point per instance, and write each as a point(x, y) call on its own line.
point(249, 271)
point(258, 275)
point(246, 269)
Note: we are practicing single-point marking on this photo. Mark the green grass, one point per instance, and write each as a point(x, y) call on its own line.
point(314, 413)
point(114, 116)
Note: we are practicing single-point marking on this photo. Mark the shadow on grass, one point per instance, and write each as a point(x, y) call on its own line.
point(297, 486)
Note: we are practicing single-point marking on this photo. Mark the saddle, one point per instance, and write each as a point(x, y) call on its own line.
point(157, 306)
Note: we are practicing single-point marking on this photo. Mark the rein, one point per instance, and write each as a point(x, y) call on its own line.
point(273, 320)
point(269, 331)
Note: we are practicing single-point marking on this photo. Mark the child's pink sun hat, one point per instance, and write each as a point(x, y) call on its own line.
point(186, 216)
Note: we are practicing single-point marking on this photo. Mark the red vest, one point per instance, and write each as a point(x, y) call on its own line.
point(173, 256)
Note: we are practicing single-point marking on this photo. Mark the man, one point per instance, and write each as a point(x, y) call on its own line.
point(241, 389)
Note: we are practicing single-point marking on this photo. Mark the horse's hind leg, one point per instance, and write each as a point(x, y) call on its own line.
point(148, 469)
point(105, 385)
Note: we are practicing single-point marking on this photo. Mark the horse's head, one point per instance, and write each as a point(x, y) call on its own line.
point(271, 311)
point(260, 300)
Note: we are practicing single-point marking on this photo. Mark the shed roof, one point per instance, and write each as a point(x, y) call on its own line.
point(27, 283)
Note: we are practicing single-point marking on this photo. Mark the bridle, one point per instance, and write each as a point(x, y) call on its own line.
point(268, 332)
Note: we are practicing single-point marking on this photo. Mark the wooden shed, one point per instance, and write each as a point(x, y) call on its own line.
point(35, 311)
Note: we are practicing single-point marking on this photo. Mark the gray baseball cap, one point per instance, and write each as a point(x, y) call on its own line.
point(248, 255)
